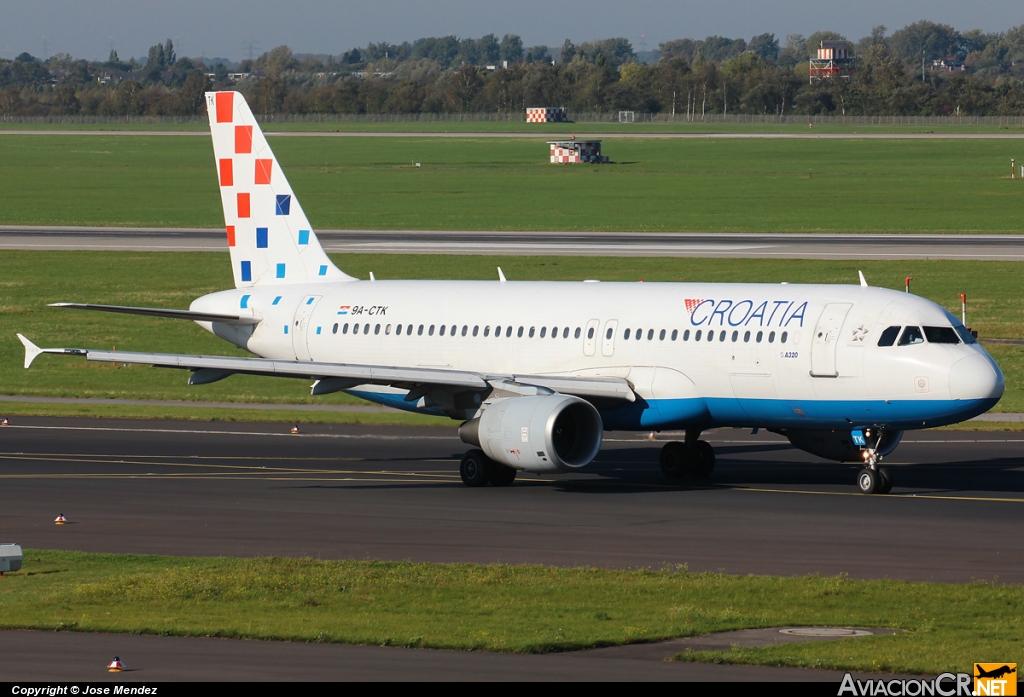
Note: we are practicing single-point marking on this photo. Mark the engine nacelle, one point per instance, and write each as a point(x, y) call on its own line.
point(839, 445)
point(549, 433)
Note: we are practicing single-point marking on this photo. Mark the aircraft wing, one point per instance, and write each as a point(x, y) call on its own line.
point(212, 368)
point(160, 312)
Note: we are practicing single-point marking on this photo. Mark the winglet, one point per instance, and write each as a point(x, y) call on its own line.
point(31, 350)
point(863, 281)
point(501, 275)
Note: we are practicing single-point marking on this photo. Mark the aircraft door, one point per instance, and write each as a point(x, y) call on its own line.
point(826, 338)
point(608, 338)
point(300, 327)
point(590, 337)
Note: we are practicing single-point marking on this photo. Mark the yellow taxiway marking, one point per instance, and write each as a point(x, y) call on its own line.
point(940, 497)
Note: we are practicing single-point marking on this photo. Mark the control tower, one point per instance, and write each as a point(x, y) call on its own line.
point(834, 59)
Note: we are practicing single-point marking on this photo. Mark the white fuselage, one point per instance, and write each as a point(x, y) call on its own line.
point(706, 354)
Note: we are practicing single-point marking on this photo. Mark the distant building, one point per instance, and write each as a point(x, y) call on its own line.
point(948, 65)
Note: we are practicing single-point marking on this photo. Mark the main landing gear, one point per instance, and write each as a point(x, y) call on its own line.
point(477, 469)
point(690, 458)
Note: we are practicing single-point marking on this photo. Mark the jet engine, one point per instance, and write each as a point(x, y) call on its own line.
point(838, 445)
point(549, 433)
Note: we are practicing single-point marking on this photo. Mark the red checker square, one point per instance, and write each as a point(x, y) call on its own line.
point(231, 235)
point(243, 205)
point(227, 173)
point(225, 106)
point(263, 170)
point(243, 139)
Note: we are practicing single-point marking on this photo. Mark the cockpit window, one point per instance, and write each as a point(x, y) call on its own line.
point(941, 335)
point(888, 337)
point(911, 335)
point(967, 337)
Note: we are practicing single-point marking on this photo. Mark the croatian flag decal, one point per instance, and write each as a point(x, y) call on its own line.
point(692, 304)
point(343, 310)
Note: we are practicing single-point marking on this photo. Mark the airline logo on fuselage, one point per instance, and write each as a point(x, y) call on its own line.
point(744, 313)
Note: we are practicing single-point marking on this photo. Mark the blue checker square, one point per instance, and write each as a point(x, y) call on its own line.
point(284, 204)
point(303, 236)
point(246, 271)
point(286, 329)
point(323, 269)
point(245, 301)
point(276, 300)
point(262, 237)
point(280, 270)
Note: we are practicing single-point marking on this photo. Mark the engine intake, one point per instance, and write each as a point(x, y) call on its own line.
point(550, 433)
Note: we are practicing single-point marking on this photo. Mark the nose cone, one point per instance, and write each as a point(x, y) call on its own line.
point(976, 377)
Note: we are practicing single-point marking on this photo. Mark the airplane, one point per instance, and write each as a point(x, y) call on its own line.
point(538, 371)
point(995, 673)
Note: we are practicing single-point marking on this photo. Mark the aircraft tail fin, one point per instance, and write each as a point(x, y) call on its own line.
point(270, 240)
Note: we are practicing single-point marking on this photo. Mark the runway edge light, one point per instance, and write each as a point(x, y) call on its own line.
point(60, 520)
point(115, 666)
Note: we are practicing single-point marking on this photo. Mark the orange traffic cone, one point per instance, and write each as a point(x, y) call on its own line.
point(295, 428)
point(60, 519)
point(115, 666)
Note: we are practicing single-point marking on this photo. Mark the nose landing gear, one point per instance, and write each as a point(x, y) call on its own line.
point(873, 479)
point(691, 458)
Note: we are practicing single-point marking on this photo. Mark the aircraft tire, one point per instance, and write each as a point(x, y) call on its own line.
point(502, 475)
point(475, 468)
point(868, 481)
point(702, 464)
point(886, 485)
point(674, 460)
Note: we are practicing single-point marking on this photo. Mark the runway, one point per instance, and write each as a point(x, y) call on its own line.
point(617, 244)
point(359, 492)
point(333, 491)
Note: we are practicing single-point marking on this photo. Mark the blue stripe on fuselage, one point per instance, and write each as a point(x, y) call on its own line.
point(713, 412)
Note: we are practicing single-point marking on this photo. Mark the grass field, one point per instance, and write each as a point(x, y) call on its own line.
point(506, 184)
point(611, 127)
point(511, 608)
point(166, 279)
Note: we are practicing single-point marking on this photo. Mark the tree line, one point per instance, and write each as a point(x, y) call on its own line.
point(921, 69)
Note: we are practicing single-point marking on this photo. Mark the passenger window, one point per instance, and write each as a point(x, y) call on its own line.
point(760, 335)
point(476, 330)
point(625, 334)
point(661, 335)
point(344, 330)
point(721, 335)
point(565, 332)
point(782, 339)
point(735, 335)
point(746, 337)
point(419, 332)
point(696, 337)
point(519, 334)
point(911, 335)
point(888, 337)
point(590, 333)
point(355, 328)
point(366, 328)
point(650, 334)
point(465, 328)
point(771, 337)
point(335, 329)
point(675, 334)
point(376, 330)
point(711, 335)
point(543, 332)
point(554, 332)
point(941, 335)
point(387, 329)
point(398, 330)
point(440, 332)
point(487, 330)
point(430, 332)
point(508, 332)
point(639, 334)
point(453, 329)
point(608, 334)
point(531, 332)
point(497, 330)
point(686, 335)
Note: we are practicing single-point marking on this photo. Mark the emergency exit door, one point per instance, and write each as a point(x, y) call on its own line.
point(826, 339)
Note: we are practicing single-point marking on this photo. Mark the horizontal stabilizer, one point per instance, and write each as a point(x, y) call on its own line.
point(160, 312)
